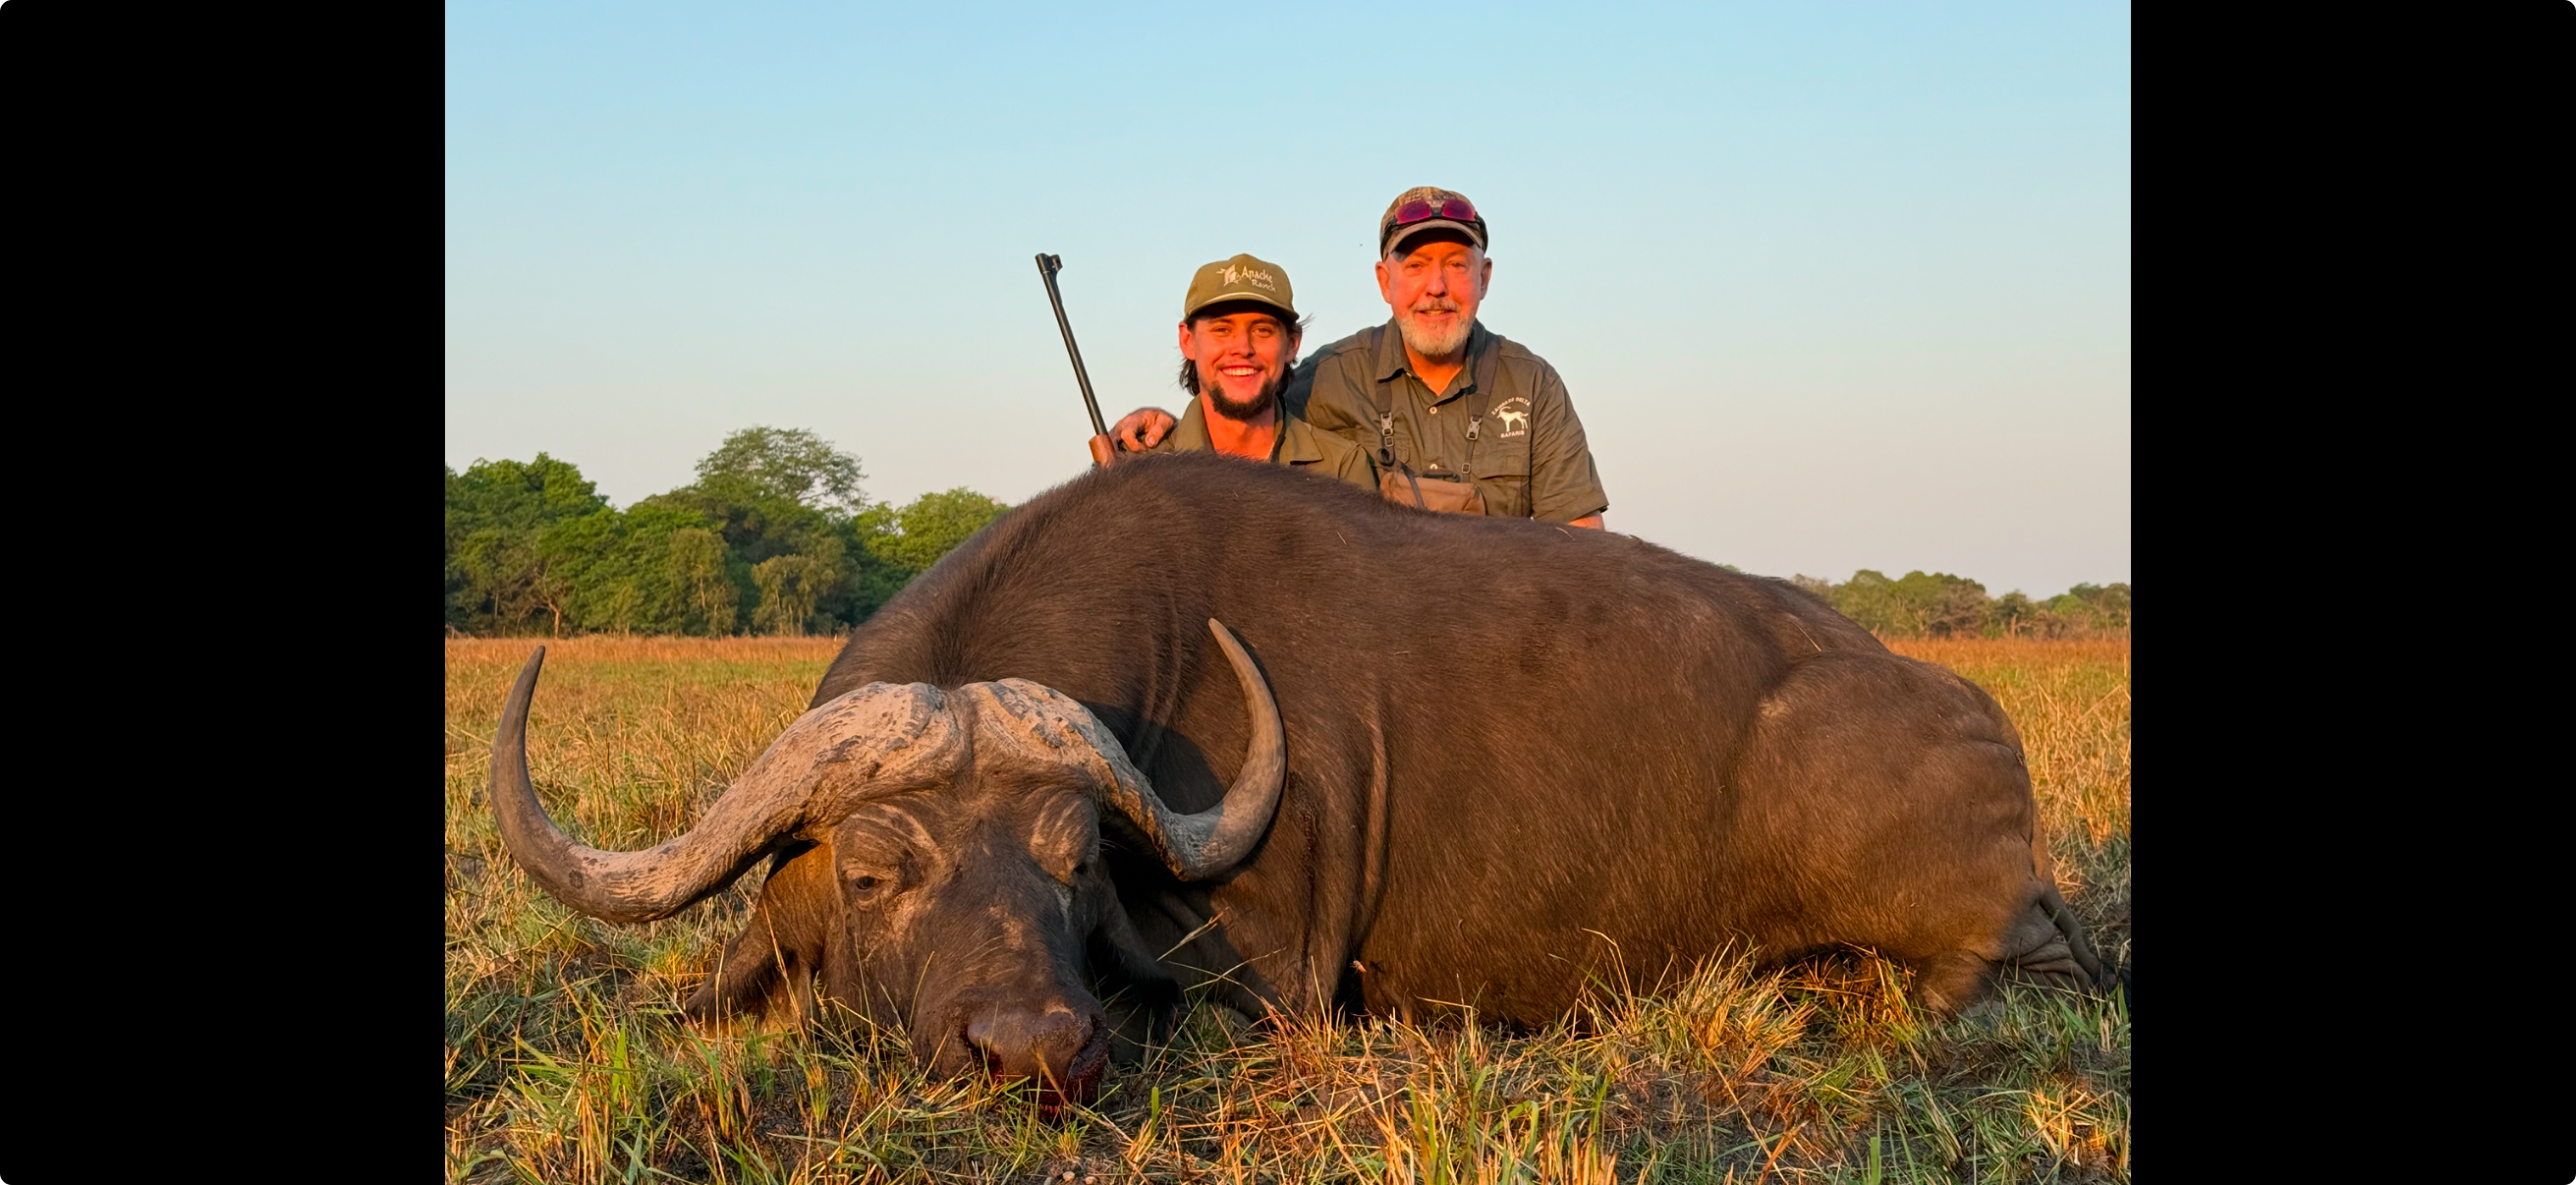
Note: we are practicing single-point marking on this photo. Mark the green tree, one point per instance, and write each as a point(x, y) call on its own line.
point(761, 464)
point(616, 566)
point(696, 566)
point(455, 539)
point(2095, 608)
point(1871, 599)
point(1921, 604)
point(497, 571)
point(2011, 615)
point(775, 534)
point(1956, 607)
point(790, 585)
point(913, 537)
point(1939, 605)
point(499, 577)
point(787, 492)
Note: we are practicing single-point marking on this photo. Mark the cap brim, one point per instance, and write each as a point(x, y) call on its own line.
point(1407, 231)
point(1246, 294)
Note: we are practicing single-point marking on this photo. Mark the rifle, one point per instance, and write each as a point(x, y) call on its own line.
point(1101, 448)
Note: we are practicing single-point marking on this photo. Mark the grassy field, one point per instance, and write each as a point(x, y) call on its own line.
point(567, 1062)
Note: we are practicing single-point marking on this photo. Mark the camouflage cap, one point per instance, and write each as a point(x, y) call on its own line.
point(1240, 278)
point(1426, 207)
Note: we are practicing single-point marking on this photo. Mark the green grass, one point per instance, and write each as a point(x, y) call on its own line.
point(567, 1060)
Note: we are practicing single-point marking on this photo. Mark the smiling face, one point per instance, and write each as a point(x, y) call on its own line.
point(1241, 357)
point(1434, 282)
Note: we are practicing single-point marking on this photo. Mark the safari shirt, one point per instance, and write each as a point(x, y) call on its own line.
point(1528, 456)
point(1295, 445)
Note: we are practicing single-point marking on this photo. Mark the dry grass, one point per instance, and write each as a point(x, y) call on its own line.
point(566, 1060)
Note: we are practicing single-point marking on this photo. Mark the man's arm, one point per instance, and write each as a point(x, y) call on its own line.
point(1564, 485)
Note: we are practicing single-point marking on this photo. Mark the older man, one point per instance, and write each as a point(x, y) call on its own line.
point(1457, 417)
point(1239, 335)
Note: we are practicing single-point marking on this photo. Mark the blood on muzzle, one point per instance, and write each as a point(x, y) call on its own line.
point(1062, 1051)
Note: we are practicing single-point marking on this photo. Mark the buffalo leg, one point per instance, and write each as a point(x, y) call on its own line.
point(778, 951)
point(1143, 996)
point(1948, 982)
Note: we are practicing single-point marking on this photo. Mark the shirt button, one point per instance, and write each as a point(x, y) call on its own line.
point(1435, 411)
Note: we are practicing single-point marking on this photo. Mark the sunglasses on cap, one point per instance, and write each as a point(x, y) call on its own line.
point(1457, 209)
point(1454, 209)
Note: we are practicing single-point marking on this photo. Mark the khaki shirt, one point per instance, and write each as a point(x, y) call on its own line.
point(1296, 445)
point(1528, 455)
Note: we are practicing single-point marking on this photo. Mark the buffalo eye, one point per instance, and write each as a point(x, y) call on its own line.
point(865, 882)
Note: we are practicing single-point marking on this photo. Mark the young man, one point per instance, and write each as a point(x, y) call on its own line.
point(1433, 393)
point(1239, 336)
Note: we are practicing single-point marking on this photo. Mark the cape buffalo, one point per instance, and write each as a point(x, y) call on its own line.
point(1454, 759)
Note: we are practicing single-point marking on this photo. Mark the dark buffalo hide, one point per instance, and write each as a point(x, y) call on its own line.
point(1514, 747)
point(1519, 758)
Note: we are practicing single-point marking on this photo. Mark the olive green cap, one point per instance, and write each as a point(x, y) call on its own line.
point(1240, 278)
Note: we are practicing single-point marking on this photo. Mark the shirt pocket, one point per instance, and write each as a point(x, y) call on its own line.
point(1502, 469)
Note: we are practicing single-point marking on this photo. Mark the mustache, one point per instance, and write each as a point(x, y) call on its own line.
point(1435, 304)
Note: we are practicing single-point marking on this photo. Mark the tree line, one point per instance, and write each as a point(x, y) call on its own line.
point(1939, 605)
point(776, 537)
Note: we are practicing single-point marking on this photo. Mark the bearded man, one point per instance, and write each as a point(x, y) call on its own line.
point(1239, 333)
point(1457, 417)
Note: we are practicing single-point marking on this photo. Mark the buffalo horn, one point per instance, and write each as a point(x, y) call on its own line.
point(1218, 838)
point(1194, 847)
point(833, 749)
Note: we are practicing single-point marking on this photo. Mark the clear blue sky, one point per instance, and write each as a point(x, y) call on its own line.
point(1833, 286)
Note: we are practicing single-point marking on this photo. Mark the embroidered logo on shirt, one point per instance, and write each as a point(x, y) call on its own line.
point(1514, 413)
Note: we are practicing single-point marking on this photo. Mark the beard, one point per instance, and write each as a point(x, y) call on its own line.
point(1261, 401)
point(1433, 343)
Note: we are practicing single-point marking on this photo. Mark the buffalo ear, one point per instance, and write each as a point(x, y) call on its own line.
point(773, 961)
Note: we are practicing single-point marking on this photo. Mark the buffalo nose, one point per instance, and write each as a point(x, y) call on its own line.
point(1046, 1045)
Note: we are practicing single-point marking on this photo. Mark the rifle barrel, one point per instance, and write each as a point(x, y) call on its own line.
point(1048, 266)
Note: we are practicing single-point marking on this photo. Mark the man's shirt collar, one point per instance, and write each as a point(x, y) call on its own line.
point(1191, 434)
point(1293, 442)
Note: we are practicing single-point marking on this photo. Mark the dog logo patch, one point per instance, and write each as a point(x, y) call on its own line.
point(1514, 413)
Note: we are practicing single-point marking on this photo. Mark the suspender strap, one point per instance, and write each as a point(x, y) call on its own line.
point(1481, 397)
point(1385, 426)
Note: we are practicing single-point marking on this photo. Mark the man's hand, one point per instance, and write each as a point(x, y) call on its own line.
point(1590, 520)
point(1142, 429)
